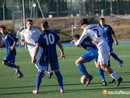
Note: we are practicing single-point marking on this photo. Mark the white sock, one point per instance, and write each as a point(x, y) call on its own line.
point(115, 76)
point(48, 71)
point(36, 64)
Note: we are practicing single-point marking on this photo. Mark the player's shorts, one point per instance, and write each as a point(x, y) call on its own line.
point(90, 55)
point(44, 66)
point(10, 56)
point(110, 46)
point(31, 52)
point(103, 53)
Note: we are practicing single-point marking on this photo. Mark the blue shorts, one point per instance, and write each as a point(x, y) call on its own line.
point(110, 46)
point(10, 56)
point(90, 55)
point(44, 67)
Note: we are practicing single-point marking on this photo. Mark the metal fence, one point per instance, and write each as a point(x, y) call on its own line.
point(63, 8)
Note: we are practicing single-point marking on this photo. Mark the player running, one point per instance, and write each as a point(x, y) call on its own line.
point(87, 57)
point(29, 37)
point(9, 41)
point(47, 41)
point(110, 37)
point(95, 33)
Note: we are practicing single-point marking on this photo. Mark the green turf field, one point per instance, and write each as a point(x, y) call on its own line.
point(10, 87)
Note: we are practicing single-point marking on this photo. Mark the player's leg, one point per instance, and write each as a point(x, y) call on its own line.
point(103, 57)
point(9, 60)
point(116, 58)
point(55, 67)
point(41, 70)
point(114, 55)
point(101, 73)
point(111, 73)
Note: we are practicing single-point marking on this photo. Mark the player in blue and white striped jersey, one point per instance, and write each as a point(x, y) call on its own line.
point(9, 41)
point(47, 41)
point(91, 54)
point(110, 37)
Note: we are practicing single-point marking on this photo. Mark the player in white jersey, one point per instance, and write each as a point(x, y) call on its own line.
point(95, 33)
point(29, 37)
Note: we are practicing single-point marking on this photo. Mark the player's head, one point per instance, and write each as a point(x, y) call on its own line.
point(76, 37)
point(29, 23)
point(101, 21)
point(44, 24)
point(2, 29)
point(83, 23)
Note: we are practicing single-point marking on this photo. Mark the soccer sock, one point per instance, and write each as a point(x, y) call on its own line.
point(115, 76)
point(101, 73)
point(82, 69)
point(48, 71)
point(36, 64)
point(115, 57)
point(59, 79)
point(12, 65)
point(38, 80)
point(108, 63)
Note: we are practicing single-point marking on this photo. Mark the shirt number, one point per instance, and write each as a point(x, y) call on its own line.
point(49, 39)
point(97, 32)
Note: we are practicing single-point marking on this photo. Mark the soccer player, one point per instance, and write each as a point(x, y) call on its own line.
point(87, 57)
point(95, 33)
point(47, 41)
point(9, 41)
point(110, 37)
point(29, 37)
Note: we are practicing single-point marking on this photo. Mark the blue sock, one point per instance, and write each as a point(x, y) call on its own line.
point(82, 69)
point(38, 80)
point(108, 64)
point(12, 65)
point(60, 79)
point(115, 57)
point(101, 73)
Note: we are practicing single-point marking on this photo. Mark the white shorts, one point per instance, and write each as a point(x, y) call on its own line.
point(31, 52)
point(103, 53)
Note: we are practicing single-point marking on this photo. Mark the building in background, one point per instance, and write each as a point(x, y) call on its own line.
point(62, 8)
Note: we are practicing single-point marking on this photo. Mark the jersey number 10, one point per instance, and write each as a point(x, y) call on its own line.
point(49, 39)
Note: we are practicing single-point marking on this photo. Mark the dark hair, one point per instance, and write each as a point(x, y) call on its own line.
point(44, 23)
point(102, 19)
point(30, 20)
point(83, 21)
point(3, 27)
point(76, 36)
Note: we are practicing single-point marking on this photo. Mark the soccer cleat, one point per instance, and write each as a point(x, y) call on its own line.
point(17, 69)
point(104, 83)
point(120, 64)
point(50, 75)
point(119, 81)
point(35, 92)
point(89, 78)
point(20, 76)
point(112, 80)
point(62, 91)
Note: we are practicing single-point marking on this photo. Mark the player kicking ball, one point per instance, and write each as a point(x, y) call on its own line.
point(91, 54)
point(9, 41)
point(47, 40)
point(95, 33)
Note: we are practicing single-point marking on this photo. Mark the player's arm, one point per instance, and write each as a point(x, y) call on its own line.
point(61, 50)
point(22, 42)
point(15, 41)
point(82, 37)
point(35, 53)
point(115, 39)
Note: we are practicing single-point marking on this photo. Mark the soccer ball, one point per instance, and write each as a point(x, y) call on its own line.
point(83, 79)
